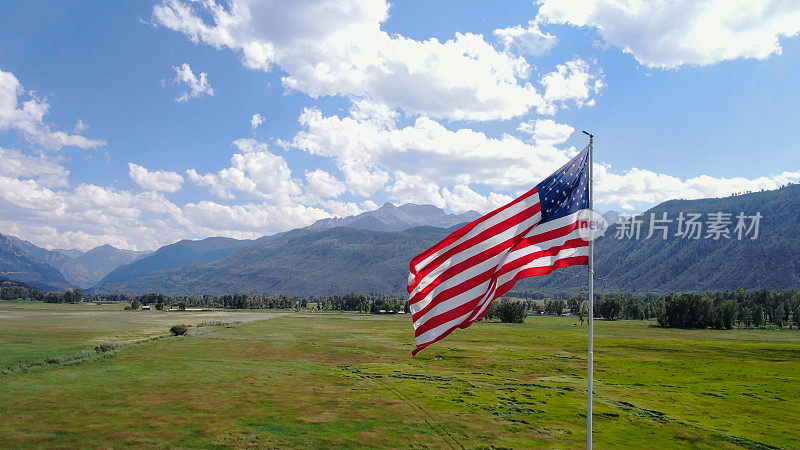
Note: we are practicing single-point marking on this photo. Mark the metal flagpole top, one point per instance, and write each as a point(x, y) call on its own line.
point(588, 134)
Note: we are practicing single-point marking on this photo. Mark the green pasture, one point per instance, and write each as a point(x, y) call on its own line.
point(34, 331)
point(348, 380)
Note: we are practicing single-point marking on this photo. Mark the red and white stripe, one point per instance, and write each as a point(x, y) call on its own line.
point(452, 284)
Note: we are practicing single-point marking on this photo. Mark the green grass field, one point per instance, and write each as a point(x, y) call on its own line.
point(348, 380)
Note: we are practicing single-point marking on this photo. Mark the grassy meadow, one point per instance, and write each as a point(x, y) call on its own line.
point(300, 379)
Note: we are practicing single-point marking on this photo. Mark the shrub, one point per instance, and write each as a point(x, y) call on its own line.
point(179, 329)
point(107, 347)
point(512, 312)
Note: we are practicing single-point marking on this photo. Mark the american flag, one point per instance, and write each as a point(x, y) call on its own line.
point(452, 283)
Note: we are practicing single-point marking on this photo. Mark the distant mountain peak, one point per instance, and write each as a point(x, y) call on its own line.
point(390, 217)
point(102, 248)
point(348, 255)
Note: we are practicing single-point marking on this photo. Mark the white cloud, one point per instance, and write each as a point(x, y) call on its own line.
point(409, 188)
point(121, 218)
point(38, 203)
point(369, 152)
point(458, 199)
point(155, 180)
point(255, 171)
point(672, 33)
point(45, 170)
point(197, 86)
point(636, 189)
point(88, 215)
point(369, 205)
point(321, 184)
point(546, 131)
point(27, 118)
point(528, 40)
point(256, 121)
point(426, 162)
point(260, 217)
point(571, 81)
point(338, 48)
point(341, 209)
point(462, 199)
point(80, 126)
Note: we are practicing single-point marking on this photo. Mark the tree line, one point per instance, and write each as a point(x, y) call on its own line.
point(373, 303)
point(724, 309)
point(719, 310)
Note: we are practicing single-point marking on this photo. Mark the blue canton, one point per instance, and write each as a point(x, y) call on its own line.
point(566, 191)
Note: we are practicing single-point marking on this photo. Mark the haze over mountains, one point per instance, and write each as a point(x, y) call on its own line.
point(59, 269)
point(188, 254)
point(64, 268)
point(397, 218)
point(17, 264)
point(369, 253)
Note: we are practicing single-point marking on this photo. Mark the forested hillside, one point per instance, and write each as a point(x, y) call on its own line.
point(341, 260)
point(658, 265)
point(17, 265)
point(300, 262)
point(179, 254)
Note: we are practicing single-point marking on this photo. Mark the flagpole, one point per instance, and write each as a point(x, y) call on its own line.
point(591, 301)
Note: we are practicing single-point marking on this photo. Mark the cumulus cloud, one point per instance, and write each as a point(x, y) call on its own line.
point(369, 153)
point(196, 86)
point(636, 189)
point(462, 199)
point(256, 121)
point(669, 34)
point(87, 210)
point(24, 113)
point(338, 48)
point(255, 171)
point(321, 184)
point(546, 131)
point(45, 170)
point(88, 215)
point(38, 202)
point(571, 81)
point(155, 180)
point(529, 40)
point(425, 162)
point(458, 199)
point(342, 209)
point(252, 216)
point(410, 188)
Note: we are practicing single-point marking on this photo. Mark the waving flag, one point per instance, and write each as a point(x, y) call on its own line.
point(452, 283)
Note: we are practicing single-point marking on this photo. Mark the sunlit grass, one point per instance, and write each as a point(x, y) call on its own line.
point(348, 380)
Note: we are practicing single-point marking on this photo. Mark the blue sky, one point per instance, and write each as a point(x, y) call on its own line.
point(131, 123)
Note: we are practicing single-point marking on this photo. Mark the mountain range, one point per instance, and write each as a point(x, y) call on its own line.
point(369, 253)
point(771, 261)
point(18, 265)
point(59, 269)
point(104, 266)
point(397, 218)
point(324, 260)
